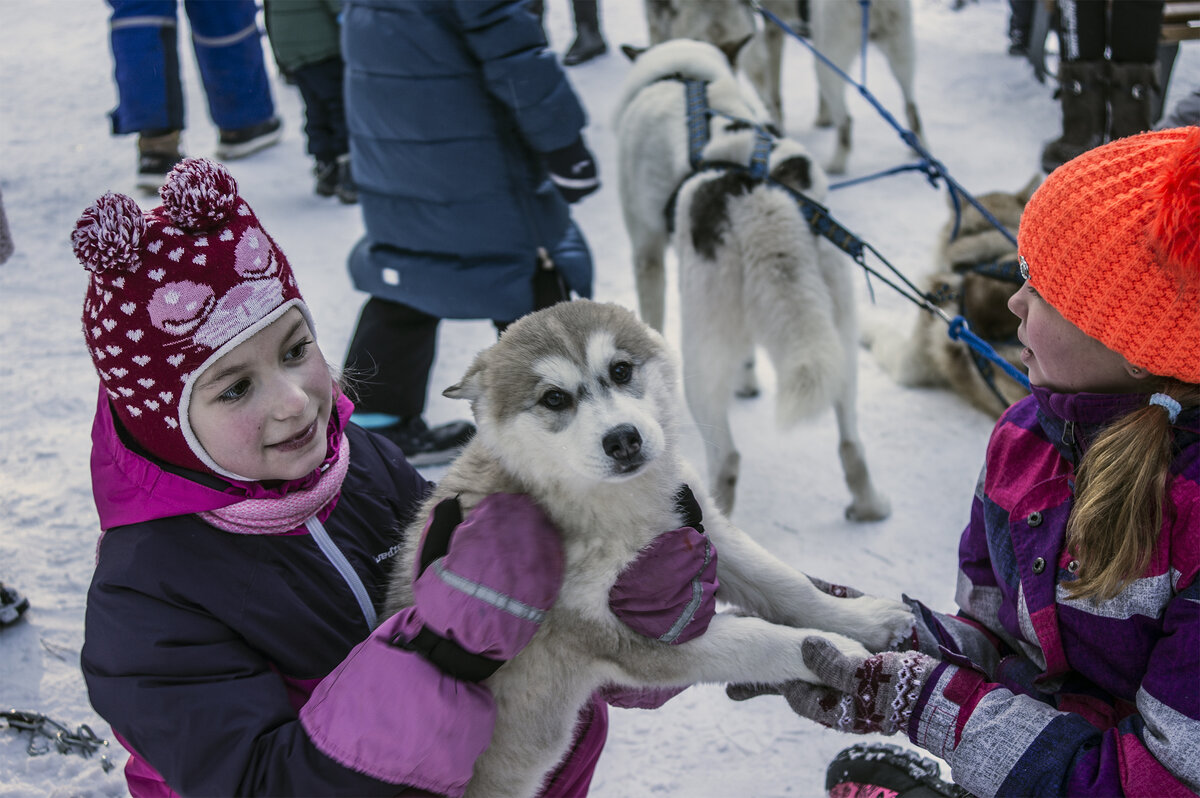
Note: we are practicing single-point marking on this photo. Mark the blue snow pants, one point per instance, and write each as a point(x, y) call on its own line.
point(228, 47)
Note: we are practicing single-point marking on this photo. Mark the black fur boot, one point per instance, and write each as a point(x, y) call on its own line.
point(1131, 96)
point(1082, 92)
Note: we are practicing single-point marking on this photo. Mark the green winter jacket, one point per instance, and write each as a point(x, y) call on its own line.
point(303, 32)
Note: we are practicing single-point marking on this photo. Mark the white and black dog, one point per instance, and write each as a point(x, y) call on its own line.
point(548, 397)
point(836, 32)
point(751, 270)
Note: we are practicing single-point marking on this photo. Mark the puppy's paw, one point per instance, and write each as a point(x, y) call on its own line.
point(885, 624)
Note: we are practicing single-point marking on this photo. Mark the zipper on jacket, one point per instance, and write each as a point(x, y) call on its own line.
point(334, 555)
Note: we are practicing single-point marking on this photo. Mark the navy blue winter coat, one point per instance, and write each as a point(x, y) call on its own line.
point(217, 639)
point(450, 105)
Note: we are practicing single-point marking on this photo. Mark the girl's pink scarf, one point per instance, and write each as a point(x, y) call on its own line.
point(279, 514)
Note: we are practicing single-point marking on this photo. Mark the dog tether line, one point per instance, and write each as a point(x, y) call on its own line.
point(930, 166)
point(822, 223)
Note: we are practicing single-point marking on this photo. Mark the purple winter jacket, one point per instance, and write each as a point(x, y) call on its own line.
point(1043, 694)
point(202, 646)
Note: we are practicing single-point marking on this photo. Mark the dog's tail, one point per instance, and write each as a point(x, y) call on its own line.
point(789, 307)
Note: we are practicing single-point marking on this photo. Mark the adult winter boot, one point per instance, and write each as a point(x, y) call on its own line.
point(589, 43)
point(1131, 94)
point(1082, 92)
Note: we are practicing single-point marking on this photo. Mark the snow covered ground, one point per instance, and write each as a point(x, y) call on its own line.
point(986, 119)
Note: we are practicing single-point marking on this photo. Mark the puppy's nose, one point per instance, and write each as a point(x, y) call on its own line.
point(622, 443)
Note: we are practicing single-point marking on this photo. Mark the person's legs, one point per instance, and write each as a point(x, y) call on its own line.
point(142, 34)
point(390, 357)
point(1133, 86)
point(228, 46)
point(1083, 78)
point(389, 360)
point(320, 86)
point(1020, 23)
point(150, 96)
point(589, 42)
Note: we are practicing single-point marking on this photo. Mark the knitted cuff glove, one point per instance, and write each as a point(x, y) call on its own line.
point(859, 695)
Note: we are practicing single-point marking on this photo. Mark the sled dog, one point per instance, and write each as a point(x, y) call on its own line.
point(836, 32)
point(751, 271)
point(549, 398)
point(927, 356)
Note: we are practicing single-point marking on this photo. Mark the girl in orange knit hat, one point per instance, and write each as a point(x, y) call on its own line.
point(1073, 663)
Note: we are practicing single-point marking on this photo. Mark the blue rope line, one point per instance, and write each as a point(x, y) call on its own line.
point(961, 331)
point(932, 167)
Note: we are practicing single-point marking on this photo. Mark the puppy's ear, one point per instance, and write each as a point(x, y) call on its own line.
point(633, 51)
point(470, 387)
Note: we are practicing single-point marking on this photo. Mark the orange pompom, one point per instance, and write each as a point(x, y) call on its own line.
point(1176, 225)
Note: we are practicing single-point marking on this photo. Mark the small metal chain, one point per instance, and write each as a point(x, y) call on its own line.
point(44, 731)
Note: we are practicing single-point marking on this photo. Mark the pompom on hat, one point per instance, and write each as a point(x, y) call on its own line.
point(171, 291)
point(1111, 239)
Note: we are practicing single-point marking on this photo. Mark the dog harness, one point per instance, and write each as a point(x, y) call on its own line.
point(699, 112)
point(822, 223)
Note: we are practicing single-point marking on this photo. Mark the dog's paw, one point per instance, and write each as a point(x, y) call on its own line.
point(885, 624)
point(873, 508)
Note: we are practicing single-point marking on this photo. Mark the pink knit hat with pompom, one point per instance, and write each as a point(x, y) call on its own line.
point(171, 291)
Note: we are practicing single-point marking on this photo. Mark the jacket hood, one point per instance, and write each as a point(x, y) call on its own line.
point(131, 487)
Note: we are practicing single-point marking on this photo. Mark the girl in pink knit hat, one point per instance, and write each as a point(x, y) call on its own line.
point(232, 635)
point(1072, 666)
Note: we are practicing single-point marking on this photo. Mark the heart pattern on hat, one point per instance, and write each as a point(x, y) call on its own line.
point(188, 277)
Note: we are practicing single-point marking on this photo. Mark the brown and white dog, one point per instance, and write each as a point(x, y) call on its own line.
point(927, 356)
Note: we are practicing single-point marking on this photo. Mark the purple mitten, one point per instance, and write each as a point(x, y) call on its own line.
point(484, 584)
point(668, 592)
point(396, 717)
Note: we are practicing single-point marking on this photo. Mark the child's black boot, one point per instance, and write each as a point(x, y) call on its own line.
point(881, 770)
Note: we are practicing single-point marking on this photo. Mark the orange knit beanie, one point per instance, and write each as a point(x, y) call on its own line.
point(1112, 240)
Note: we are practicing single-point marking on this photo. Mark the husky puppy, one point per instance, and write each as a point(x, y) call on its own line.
point(751, 271)
point(549, 397)
point(836, 32)
point(927, 356)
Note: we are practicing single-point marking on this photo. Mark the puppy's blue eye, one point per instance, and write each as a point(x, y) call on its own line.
point(555, 400)
point(621, 373)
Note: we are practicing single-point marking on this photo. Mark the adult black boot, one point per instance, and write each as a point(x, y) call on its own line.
point(589, 43)
point(1082, 93)
point(1131, 93)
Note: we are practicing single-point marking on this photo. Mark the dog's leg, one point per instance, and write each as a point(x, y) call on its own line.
point(650, 279)
point(757, 581)
point(713, 347)
point(840, 50)
point(734, 649)
point(708, 386)
point(868, 504)
point(900, 51)
point(762, 61)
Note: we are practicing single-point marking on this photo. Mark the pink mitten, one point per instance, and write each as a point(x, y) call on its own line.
point(669, 592)
point(483, 585)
